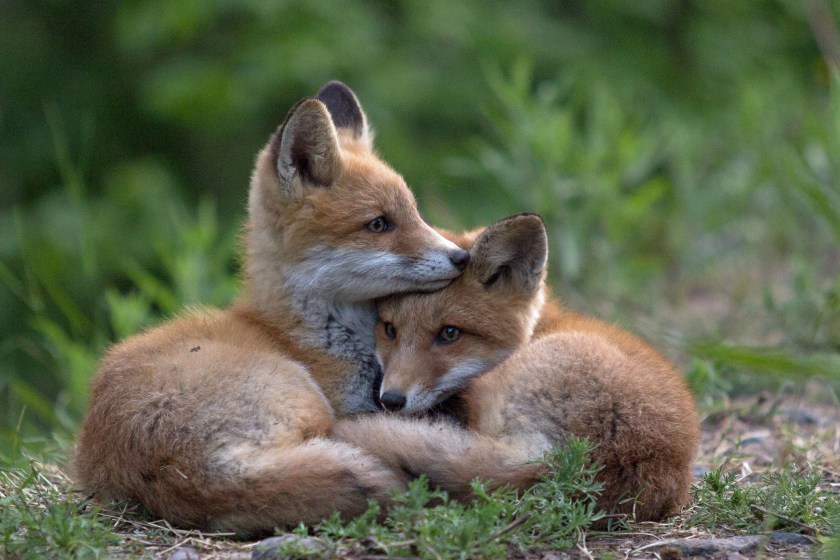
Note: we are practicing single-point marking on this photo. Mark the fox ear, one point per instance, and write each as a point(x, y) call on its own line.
point(305, 147)
point(345, 110)
point(511, 254)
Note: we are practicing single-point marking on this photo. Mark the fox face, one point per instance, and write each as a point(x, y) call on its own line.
point(432, 344)
point(330, 219)
point(364, 238)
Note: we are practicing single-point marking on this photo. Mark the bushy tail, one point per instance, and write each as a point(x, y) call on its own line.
point(648, 488)
point(450, 456)
point(255, 492)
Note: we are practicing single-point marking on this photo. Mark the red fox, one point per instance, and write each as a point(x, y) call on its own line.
point(531, 374)
point(220, 419)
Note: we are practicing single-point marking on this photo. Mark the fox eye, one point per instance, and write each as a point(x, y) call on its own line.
point(379, 225)
point(449, 334)
point(390, 330)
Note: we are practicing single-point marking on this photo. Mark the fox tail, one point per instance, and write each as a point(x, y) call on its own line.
point(450, 456)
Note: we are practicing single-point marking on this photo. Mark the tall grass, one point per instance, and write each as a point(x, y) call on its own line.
point(153, 255)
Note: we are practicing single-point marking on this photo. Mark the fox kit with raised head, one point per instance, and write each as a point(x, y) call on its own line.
point(219, 419)
point(531, 374)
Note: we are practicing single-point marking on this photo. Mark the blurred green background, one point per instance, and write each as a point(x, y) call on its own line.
point(685, 155)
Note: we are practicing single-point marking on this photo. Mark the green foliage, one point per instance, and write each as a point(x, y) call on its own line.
point(563, 502)
point(830, 549)
point(76, 301)
point(584, 163)
point(679, 152)
point(425, 523)
point(38, 521)
point(629, 191)
point(707, 381)
point(772, 361)
point(788, 499)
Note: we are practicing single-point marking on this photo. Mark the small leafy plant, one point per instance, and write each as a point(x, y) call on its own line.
point(426, 523)
point(38, 520)
point(789, 499)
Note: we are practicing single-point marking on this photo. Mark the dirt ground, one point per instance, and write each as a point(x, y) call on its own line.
point(750, 436)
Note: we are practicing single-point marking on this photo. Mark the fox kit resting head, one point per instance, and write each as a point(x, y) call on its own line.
point(222, 419)
point(431, 345)
point(332, 227)
point(331, 221)
point(532, 374)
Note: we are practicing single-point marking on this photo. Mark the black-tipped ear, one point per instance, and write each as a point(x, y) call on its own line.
point(344, 108)
point(511, 254)
point(305, 147)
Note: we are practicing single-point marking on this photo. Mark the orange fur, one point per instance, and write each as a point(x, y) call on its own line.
point(221, 419)
point(573, 375)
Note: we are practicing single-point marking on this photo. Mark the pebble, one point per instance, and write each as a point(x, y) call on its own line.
point(270, 549)
point(184, 553)
point(716, 548)
point(730, 548)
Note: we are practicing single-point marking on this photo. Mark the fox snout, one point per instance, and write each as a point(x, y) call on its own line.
point(459, 258)
point(392, 401)
point(435, 268)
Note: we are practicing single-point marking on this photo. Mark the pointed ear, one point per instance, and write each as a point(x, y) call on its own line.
point(305, 148)
point(345, 110)
point(511, 254)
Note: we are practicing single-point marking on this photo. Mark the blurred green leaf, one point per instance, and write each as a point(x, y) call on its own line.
point(771, 360)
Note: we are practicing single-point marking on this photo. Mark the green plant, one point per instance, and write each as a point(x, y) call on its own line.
point(831, 545)
point(425, 523)
point(38, 520)
point(790, 499)
point(77, 299)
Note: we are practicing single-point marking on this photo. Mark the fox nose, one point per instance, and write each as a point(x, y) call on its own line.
point(459, 258)
point(392, 400)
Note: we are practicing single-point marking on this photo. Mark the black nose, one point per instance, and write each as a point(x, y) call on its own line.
point(459, 258)
point(393, 401)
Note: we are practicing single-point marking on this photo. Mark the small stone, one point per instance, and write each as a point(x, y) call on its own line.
point(802, 416)
point(716, 548)
point(276, 548)
point(754, 438)
point(184, 553)
point(782, 537)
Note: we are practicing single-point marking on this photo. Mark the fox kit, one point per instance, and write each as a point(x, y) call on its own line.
point(220, 419)
point(531, 374)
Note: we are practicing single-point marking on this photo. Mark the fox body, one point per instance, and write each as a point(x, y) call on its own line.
point(221, 419)
point(530, 374)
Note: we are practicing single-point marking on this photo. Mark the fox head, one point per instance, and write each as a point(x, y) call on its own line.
point(329, 219)
point(432, 344)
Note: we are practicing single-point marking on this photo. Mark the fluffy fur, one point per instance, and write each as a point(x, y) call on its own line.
point(575, 375)
point(221, 419)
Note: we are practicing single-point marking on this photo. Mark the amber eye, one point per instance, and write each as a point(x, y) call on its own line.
point(379, 225)
point(449, 334)
point(390, 330)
